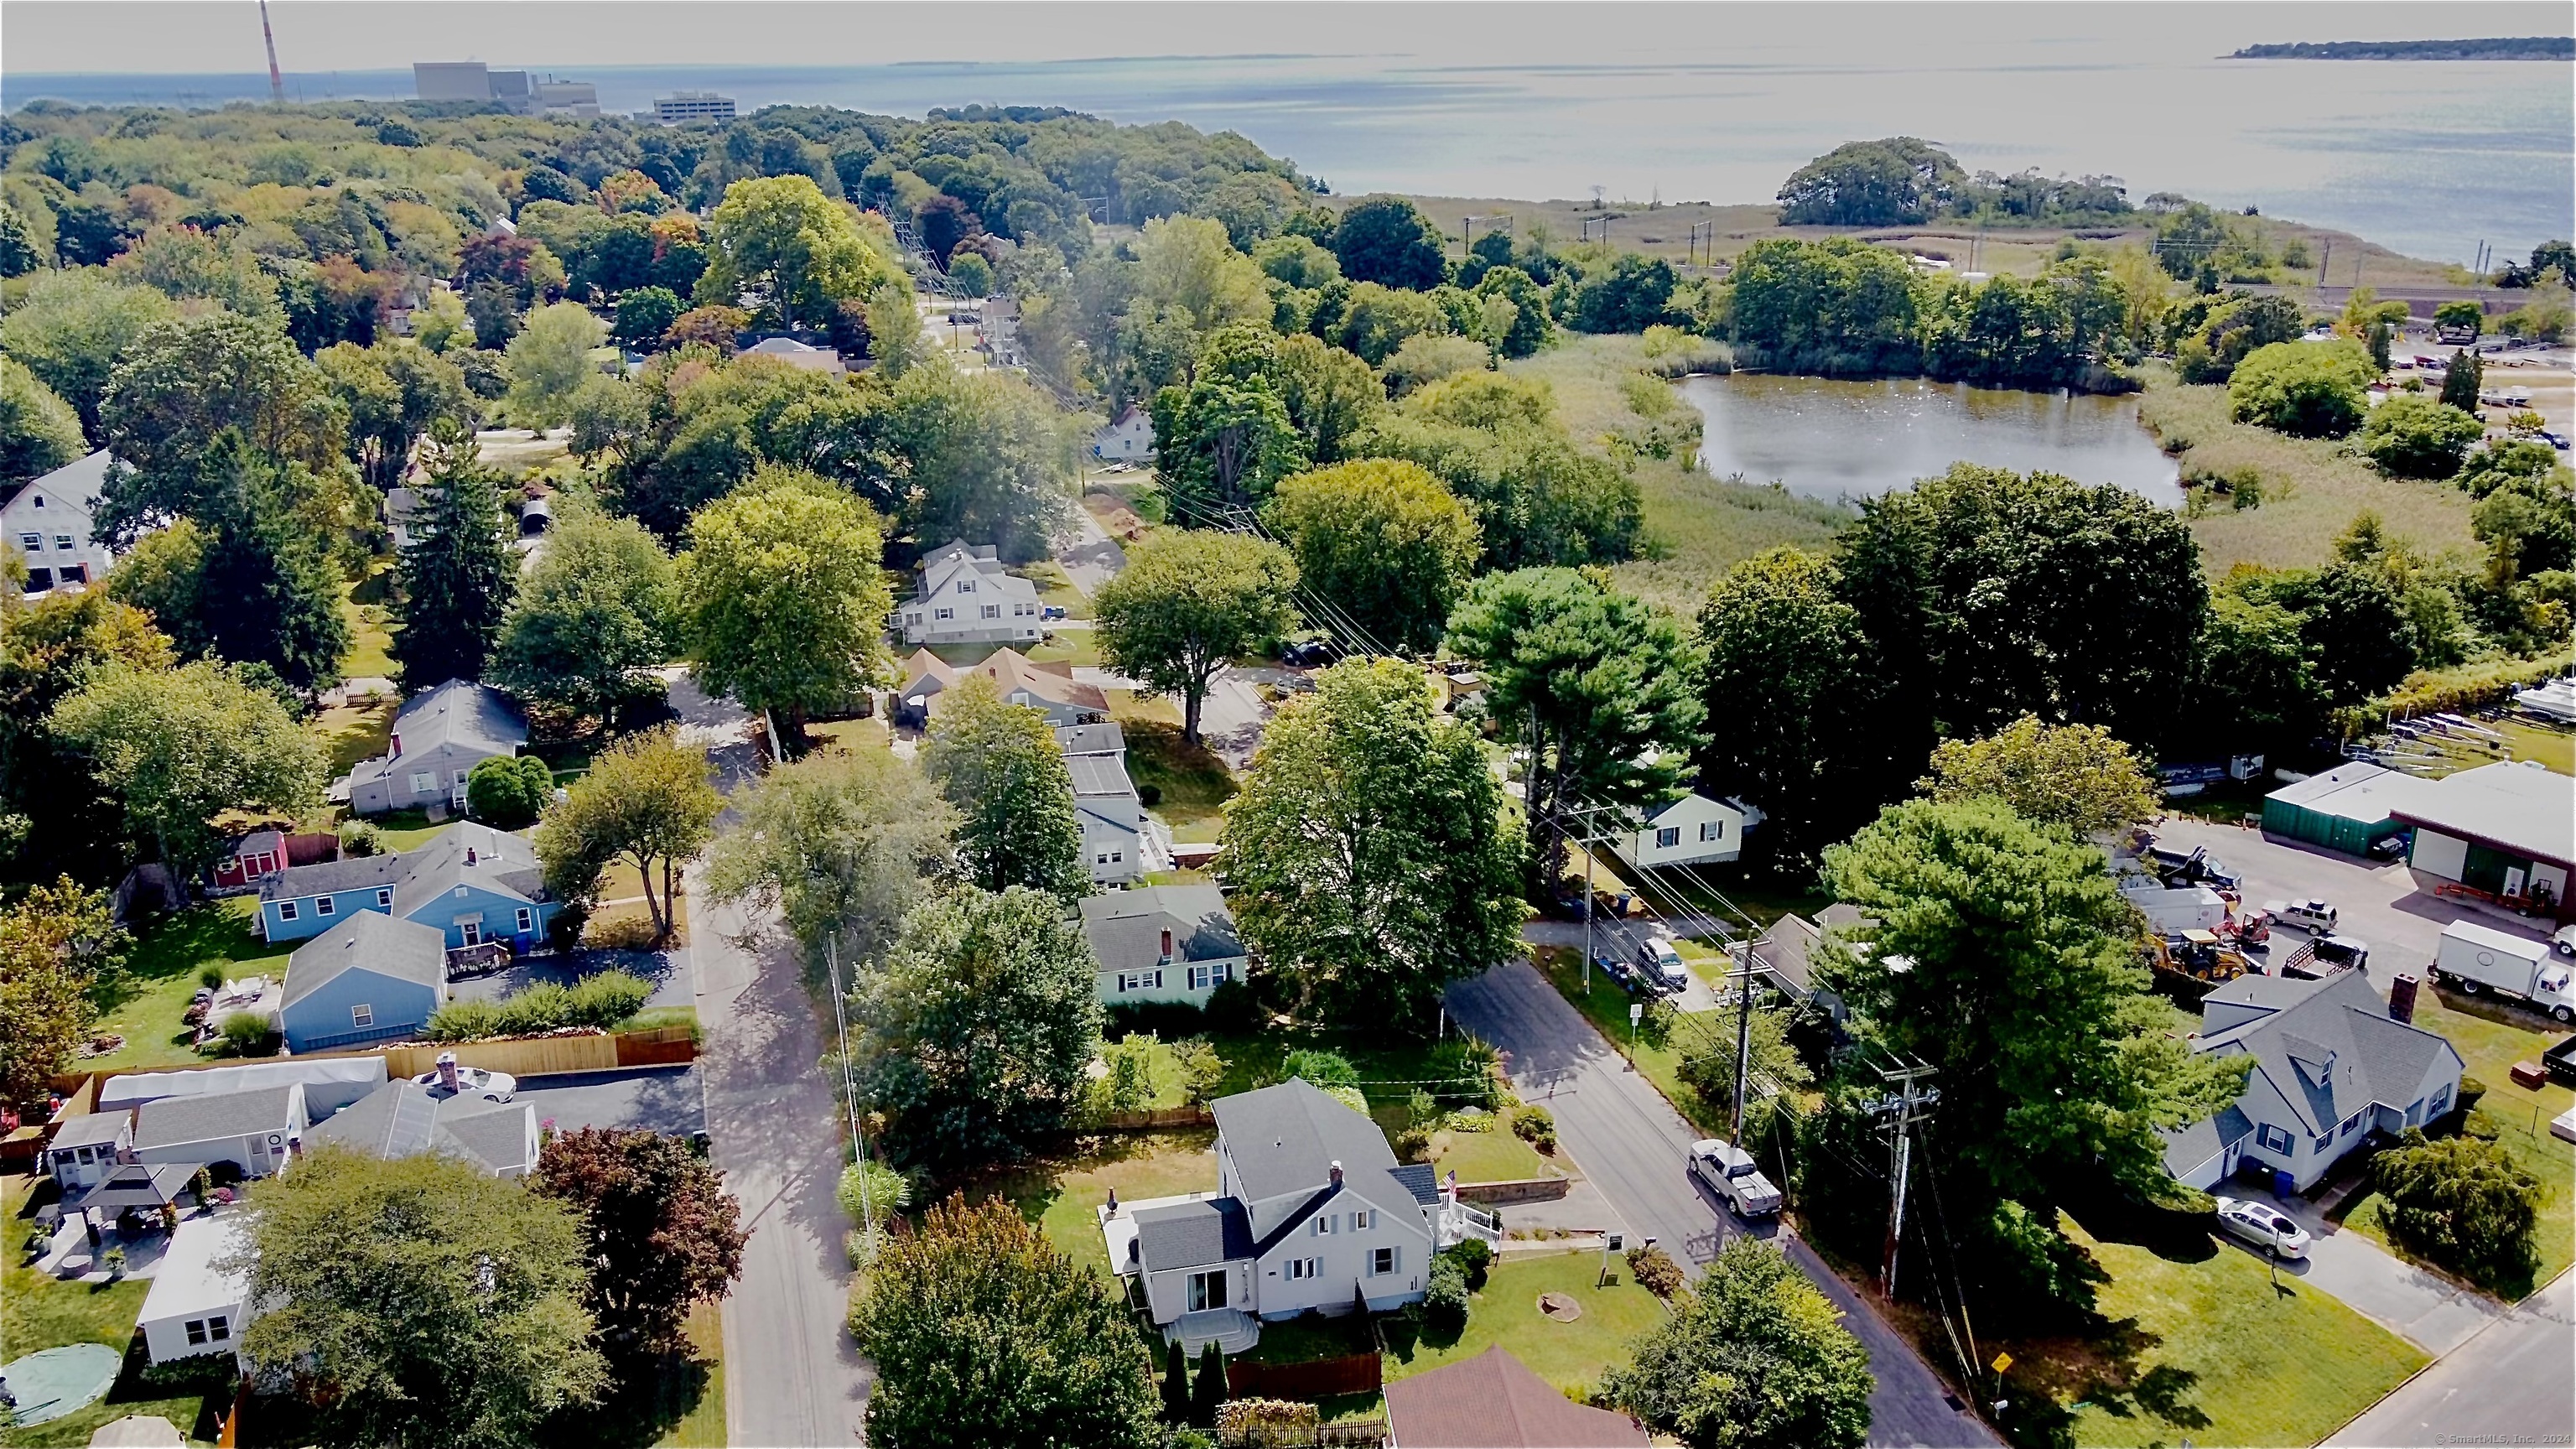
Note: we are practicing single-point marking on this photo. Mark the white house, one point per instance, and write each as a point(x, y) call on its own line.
point(49, 520)
point(404, 1118)
point(1311, 1212)
point(797, 354)
point(1693, 830)
point(85, 1147)
point(966, 596)
point(2330, 1066)
point(258, 1131)
point(438, 738)
point(1126, 440)
point(195, 1307)
point(1105, 802)
point(1162, 943)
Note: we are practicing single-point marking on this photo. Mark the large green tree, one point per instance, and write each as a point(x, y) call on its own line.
point(181, 746)
point(2413, 436)
point(1189, 602)
point(1785, 676)
point(2466, 1203)
point(39, 432)
point(1382, 541)
point(778, 237)
point(838, 844)
point(186, 382)
point(1756, 1357)
point(1598, 686)
point(1387, 239)
point(782, 600)
point(973, 1036)
point(659, 1232)
point(648, 800)
point(2305, 389)
point(550, 360)
point(394, 395)
point(1220, 444)
point(590, 618)
point(370, 1273)
point(459, 572)
point(2078, 776)
point(1871, 183)
point(2020, 984)
point(61, 954)
point(998, 763)
point(983, 1333)
point(47, 652)
point(73, 327)
point(1368, 854)
point(986, 457)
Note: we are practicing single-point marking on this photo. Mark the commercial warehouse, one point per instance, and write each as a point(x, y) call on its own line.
point(2508, 829)
point(2350, 807)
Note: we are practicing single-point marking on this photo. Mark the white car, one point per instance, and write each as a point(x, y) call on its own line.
point(2313, 916)
point(467, 1081)
point(1730, 1173)
point(2565, 940)
point(2263, 1226)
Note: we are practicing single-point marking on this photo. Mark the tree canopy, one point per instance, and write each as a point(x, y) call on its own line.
point(179, 747)
point(1384, 542)
point(590, 617)
point(1756, 1357)
point(999, 766)
point(39, 432)
point(1786, 675)
point(1387, 239)
point(1189, 602)
point(2077, 776)
point(782, 600)
point(1871, 183)
point(459, 572)
point(835, 842)
point(2305, 389)
point(648, 799)
point(659, 1232)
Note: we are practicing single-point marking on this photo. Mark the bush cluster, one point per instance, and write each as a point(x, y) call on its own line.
point(1654, 1270)
point(1535, 1126)
point(602, 999)
point(1444, 1299)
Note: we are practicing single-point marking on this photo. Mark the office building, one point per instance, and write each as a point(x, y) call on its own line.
point(686, 106)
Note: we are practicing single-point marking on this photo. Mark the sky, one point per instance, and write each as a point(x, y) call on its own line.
point(203, 36)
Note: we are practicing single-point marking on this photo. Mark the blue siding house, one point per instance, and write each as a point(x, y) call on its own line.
point(373, 977)
point(473, 883)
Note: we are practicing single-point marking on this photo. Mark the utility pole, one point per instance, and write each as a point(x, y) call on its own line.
point(1900, 1113)
point(850, 1088)
point(1588, 832)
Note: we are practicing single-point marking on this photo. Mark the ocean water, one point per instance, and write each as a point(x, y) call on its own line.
point(1702, 103)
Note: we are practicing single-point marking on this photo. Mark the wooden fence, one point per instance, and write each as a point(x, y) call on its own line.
point(1359, 1373)
point(525, 1057)
point(662, 1046)
point(1155, 1119)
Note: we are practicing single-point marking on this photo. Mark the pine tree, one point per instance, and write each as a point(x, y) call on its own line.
point(1176, 1384)
point(2461, 383)
point(458, 572)
point(1209, 1392)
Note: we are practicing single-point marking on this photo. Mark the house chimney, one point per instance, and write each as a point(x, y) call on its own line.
point(447, 1072)
point(1337, 1174)
point(1167, 943)
point(2401, 998)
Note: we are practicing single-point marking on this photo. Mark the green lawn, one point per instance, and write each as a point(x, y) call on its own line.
point(1505, 1312)
point(354, 732)
point(2553, 748)
point(164, 966)
point(1193, 782)
point(407, 829)
point(2201, 1344)
point(703, 1426)
point(1056, 588)
point(2544, 1157)
point(1060, 1194)
point(1494, 1156)
point(370, 641)
point(38, 1312)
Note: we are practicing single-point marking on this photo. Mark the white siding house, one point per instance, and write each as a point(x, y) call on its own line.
point(1162, 943)
point(2330, 1068)
point(49, 520)
point(1693, 830)
point(1311, 1212)
point(966, 596)
point(1129, 439)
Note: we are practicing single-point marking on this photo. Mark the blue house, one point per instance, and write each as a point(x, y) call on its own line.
point(473, 883)
point(373, 977)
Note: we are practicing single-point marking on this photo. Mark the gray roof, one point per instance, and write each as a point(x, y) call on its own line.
point(1419, 1178)
point(1192, 1234)
point(329, 877)
point(386, 945)
point(461, 712)
point(89, 1130)
point(1098, 775)
point(494, 860)
point(137, 1185)
point(1285, 1139)
point(173, 1121)
point(2191, 1146)
point(2264, 993)
point(402, 1118)
point(2513, 805)
point(1103, 738)
point(1126, 928)
point(76, 484)
point(2333, 1051)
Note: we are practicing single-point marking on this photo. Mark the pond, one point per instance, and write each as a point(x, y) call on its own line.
point(1831, 439)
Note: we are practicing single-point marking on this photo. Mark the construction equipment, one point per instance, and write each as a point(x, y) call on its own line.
point(2199, 955)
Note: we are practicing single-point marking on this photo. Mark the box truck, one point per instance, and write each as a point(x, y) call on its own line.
point(2172, 912)
point(2476, 959)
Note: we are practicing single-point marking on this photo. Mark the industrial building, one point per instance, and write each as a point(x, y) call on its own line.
point(2351, 807)
point(472, 80)
point(683, 107)
point(2505, 829)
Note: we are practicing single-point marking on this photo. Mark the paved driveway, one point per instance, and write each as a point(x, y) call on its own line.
point(2428, 1311)
point(663, 1099)
point(792, 1376)
point(1093, 558)
point(667, 970)
point(2507, 1384)
point(1631, 1144)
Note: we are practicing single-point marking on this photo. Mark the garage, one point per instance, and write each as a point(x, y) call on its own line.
point(2348, 808)
point(2502, 830)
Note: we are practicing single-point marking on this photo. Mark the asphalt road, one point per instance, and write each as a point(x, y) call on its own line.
point(2506, 1385)
point(792, 1376)
point(1631, 1145)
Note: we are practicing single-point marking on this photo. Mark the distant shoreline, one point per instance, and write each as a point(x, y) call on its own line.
point(2533, 47)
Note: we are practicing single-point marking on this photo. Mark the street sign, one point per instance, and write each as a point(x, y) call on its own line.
point(2003, 1361)
point(1636, 1012)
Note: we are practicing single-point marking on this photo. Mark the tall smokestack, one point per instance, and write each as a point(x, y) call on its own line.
point(276, 82)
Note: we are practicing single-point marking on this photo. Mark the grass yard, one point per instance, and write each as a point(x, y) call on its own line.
point(1061, 1194)
point(39, 1312)
point(371, 642)
point(1193, 782)
point(2202, 1345)
point(1569, 1355)
point(703, 1426)
point(1056, 588)
point(163, 967)
point(2312, 488)
point(2553, 748)
point(849, 736)
point(1499, 1155)
point(354, 732)
point(407, 829)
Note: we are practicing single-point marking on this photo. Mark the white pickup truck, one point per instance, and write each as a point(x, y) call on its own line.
point(1730, 1173)
point(2313, 916)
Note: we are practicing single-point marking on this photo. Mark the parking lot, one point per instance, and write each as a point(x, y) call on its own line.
point(2381, 904)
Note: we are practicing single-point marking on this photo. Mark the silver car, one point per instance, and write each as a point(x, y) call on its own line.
point(450, 1080)
point(2263, 1226)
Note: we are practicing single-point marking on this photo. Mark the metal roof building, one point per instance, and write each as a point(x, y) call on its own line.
point(2350, 807)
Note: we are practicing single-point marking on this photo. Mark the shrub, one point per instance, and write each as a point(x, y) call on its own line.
point(1468, 1065)
point(1476, 1257)
point(508, 790)
point(464, 1020)
point(1469, 1119)
point(1262, 1421)
point(1233, 1008)
point(1324, 1069)
point(1202, 1070)
point(361, 838)
point(2305, 389)
point(211, 977)
point(248, 1034)
point(1444, 1298)
point(1535, 1126)
point(1412, 1144)
point(1149, 795)
point(602, 999)
point(2463, 1203)
point(888, 1191)
point(1654, 1270)
point(2413, 436)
